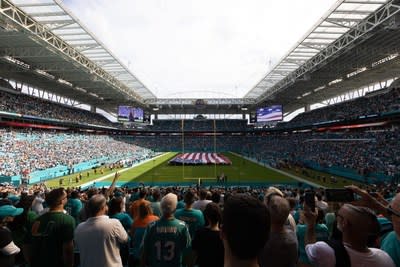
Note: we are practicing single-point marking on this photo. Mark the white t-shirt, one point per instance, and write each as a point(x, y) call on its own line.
point(322, 255)
point(200, 204)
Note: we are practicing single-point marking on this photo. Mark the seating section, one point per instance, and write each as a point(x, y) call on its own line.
point(51, 152)
point(29, 105)
point(377, 103)
point(199, 125)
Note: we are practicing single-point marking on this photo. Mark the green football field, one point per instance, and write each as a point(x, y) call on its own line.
point(241, 172)
point(158, 172)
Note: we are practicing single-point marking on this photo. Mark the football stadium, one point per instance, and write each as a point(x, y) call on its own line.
point(185, 133)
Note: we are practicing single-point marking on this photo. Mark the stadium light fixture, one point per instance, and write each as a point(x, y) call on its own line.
point(244, 108)
point(156, 108)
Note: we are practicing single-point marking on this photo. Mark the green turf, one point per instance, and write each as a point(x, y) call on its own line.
point(132, 173)
point(158, 170)
point(241, 171)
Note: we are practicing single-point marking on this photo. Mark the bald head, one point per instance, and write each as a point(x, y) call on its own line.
point(96, 205)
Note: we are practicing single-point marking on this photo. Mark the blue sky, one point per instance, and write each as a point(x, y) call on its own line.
point(199, 48)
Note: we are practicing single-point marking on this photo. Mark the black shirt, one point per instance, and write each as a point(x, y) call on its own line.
point(209, 248)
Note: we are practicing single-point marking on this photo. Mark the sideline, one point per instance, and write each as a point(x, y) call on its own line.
point(87, 184)
point(281, 172)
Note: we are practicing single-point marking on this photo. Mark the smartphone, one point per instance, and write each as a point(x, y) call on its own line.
point(339, 195)
point(309, 199)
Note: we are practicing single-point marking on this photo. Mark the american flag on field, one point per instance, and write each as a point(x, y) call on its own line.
point(200, 159)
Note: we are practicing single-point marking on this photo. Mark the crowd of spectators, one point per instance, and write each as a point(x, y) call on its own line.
point(27, 151)
point(375, 103)
point(34, 106)
point(189, 226)
point(200, 125)
point(363, 152)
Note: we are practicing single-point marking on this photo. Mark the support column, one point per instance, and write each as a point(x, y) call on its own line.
point(307, 108)
point(93, 109)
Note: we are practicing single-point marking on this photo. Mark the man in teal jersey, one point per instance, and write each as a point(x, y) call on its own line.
point(165, 240)
point(193, 218)
point(74, 205)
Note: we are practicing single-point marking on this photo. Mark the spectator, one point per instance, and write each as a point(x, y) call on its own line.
point(207, 245)
point(98, 238)
point(135, 205)
point(144, 218)
point(37, 204)
point(193, 218)
point(245, 230)
point(321, 232)
point(391, 243)
point(115, 212)
point(155, 204)
point(52, 234)
point(202, 202)
point(8, 249)
point(74, 205)
point(165, 240)
point(356, 225)
point(281, 247)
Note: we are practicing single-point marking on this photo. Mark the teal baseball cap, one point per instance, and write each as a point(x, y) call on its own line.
point(10, 211)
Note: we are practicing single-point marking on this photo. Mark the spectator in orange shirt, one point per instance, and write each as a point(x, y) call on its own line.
point(134, 210)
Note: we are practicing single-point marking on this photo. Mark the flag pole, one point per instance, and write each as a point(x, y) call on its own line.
point(215, 149)
point(183, 151)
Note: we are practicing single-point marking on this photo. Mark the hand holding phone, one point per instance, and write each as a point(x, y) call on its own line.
point(339, 195)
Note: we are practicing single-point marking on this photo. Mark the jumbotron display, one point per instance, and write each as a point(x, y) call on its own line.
point(271, 113)
point(127, 113)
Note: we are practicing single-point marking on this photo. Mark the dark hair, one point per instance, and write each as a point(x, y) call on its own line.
point(213, 213)
point(144, 210)
point(188, 198)
point(156, 195)
point(115, 206)
point(216, 197)
point(95, 204)
point(203, 194)
point(74, 194)
point(142, 193)
point(246, 225)
point(53, 198)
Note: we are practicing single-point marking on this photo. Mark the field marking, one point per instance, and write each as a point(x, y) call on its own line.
point(281, 172)
point(121, 171)
point(203, 178)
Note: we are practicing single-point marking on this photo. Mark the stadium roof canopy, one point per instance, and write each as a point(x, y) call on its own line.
point(355, 44)
point(50, 42)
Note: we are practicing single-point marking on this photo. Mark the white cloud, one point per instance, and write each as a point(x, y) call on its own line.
point(193, 46)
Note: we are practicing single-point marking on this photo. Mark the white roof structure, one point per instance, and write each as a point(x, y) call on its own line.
point(344, 16)
point(354, 44)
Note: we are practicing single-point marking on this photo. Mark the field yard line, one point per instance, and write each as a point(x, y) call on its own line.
point(121, 171)
point(281, 172)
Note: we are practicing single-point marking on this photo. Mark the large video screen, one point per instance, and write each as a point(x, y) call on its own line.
point(127, 113)
point(271, 113)
point(123, 113)
point(137, 114)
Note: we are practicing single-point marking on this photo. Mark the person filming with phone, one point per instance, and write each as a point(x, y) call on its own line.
point(357, 225)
